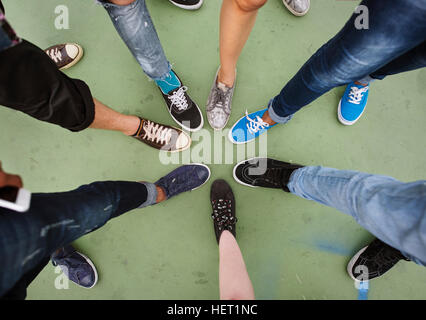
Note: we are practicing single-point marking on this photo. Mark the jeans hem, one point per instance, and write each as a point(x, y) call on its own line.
point(151, 195)
point(276, 117)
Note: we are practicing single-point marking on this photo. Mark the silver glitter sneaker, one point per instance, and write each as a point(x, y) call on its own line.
point(219, 104)
point(297, 7)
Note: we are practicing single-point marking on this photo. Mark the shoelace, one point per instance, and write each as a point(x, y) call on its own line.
point(254, 126)
point(55, 54)
point(178, 98)
point(222, 214)
point(355, 96)
point(221, 98)
point(157, 133)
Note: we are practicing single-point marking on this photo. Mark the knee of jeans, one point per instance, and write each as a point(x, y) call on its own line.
point(250, 5)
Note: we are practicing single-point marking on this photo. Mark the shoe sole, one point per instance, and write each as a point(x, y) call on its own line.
point(193, 7)
point(298, 14)
point(94, 269)
point(352, 263)
point(77, 59)
point(235, 169)
point(340, 117)
point(227, 120)
point(210, 173)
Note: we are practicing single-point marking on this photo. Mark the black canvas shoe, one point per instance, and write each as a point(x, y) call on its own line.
point(373, 261)
point(223, 204)
point(182, 108)
point(188, 4)
point(264, 172)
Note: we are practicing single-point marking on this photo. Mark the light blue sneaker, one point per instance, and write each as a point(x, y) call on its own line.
point(353, 103)
point(249, 127)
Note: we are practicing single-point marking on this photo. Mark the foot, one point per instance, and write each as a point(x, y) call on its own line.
point(353, 103)
point(181, 107)
point(219, 104)
point(65, 55)
point(188, 4)
point(223, 204)
point(298, 7)
point(76, 266)
point(373, 261)
point(162, 137)
point(264, 172)
point(186, 178)
point(249, 127)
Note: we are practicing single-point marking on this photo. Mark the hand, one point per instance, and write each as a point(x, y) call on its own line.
point(9, 180)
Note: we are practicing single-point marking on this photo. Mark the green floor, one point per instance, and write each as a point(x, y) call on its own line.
point(293, 248)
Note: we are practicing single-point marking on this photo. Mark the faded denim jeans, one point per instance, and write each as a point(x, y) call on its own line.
point(393, 211)
point(56, 219)
point(394, 43)
point(134, 25)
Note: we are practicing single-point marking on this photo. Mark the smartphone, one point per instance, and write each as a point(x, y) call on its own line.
point(14, 198)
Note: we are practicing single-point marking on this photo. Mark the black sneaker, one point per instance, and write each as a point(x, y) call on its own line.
point(188, 4)
point(264, 172)
point(373, 261)
point(182, 108)
point(223, 204)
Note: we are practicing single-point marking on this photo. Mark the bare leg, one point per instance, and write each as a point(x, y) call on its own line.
point(121, 2)
point(237, 18)
point(234, 281)
point(108, 119)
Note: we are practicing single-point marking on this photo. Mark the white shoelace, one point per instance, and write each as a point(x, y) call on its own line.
point(157, 133)
point(355, 96)
point(254, 126)
point(178, 98)
point(55, 54)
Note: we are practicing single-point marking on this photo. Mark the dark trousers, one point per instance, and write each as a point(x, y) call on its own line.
point(394, 43)
point(53, 221)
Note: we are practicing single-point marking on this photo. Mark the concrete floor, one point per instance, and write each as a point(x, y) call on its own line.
point(293, 248)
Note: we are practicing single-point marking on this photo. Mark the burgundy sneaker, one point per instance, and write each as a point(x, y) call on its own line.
point(65, 55)
point(162, 137)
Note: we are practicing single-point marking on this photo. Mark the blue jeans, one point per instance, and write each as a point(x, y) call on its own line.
point(394, 43)
point(393, 211)
point(56, 219)
point(134, 25)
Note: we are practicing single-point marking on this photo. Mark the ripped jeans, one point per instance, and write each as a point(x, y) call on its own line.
point(134, 25)
point(56, 219)
point(395, 42)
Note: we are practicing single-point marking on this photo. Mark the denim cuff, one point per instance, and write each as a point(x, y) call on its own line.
point(276, 117)
point(106, 4)
point(295, 175)
point(151, 195)
point(366, 79)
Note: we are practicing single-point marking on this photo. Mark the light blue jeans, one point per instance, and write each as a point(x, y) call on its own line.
point(393, 211)
point(134, 25)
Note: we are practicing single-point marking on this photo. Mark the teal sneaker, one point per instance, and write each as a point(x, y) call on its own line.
point(249, 127)
point(353, 103)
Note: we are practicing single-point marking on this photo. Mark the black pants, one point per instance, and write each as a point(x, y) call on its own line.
point(30, 82)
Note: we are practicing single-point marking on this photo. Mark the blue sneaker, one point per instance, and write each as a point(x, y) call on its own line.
point(249, 127)
point(353, 103)
point(186, 178)
point(76, 266)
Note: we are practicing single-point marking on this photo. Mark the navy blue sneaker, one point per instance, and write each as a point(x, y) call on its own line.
point(186, 178)
point(76, 266)
point(353, 103)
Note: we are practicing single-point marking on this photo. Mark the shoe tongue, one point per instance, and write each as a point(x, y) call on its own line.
point(222, 86)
